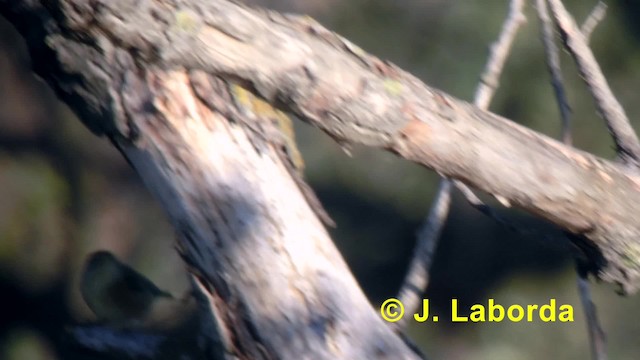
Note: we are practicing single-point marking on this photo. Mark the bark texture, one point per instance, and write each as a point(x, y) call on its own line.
point(270, 274)
point(155, 76)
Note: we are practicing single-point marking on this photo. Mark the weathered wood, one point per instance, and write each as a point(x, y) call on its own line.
point(278, 287)
point(140, 71)
point(325, 80)
point(276, 280)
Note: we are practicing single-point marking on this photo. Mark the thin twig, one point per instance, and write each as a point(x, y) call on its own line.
point(625, 138)
point(596, 334)
point(597, 337)
point(553, 66)
point(489, 80)
point(595, 16)
point(417, 278)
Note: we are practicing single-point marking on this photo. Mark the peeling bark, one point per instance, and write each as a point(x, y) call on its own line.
point(154, 77)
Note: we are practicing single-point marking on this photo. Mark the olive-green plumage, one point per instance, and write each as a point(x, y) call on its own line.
point(116, 293)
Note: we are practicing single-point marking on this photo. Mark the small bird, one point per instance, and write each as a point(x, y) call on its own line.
point(120, 296)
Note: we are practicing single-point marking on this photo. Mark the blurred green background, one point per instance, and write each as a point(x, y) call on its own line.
point(65, 193)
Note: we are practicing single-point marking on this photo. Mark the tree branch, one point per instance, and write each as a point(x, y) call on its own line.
point(490, 78)
point(417, 278)
point(276, 285)
point(553, 66)
point(327, 81)
point(596, 15)
point(354, 97)
point(625, 138)
point(155, 78)
point(596, 334)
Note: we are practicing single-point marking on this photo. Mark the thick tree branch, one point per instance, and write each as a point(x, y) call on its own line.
point(274, 281)
point(155, 78)
point(354, 97)
point(333, 84)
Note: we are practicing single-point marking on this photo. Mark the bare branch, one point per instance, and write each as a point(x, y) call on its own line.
point(597, 337)
point(596, 15)
point(113, 342)
point(624, 136)
point(417, 278)
point(489, 80)
point(156, 80)
point(325, 80)
point(553, 66)
point(596, 334)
